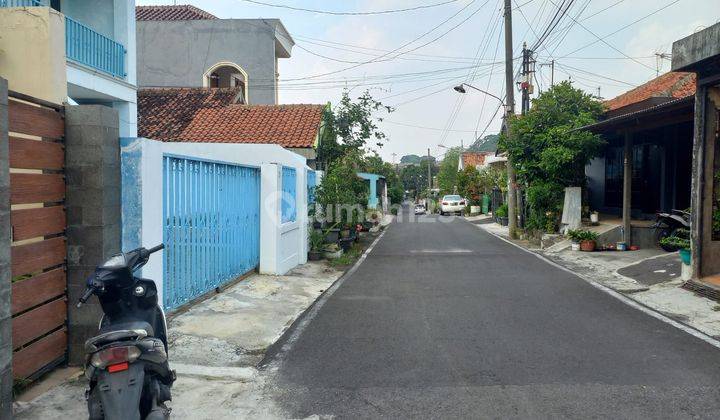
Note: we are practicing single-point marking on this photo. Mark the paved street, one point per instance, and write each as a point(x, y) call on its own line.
point(443, 320)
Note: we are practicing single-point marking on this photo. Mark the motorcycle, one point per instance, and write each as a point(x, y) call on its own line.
point(127, 362)
point(669, 224)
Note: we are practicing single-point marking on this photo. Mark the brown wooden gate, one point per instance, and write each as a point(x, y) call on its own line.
point(37, 195)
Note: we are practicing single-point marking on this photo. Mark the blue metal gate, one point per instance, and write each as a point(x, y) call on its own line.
point(212, 226)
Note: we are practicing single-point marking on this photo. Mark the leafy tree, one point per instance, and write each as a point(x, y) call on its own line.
point(352, 125)
point(448, 174)
point(548, 151)
point(412, 159)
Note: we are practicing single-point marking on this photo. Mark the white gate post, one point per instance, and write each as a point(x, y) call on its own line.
point(270, 192)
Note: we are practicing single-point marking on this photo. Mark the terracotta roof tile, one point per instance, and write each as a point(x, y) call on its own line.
point(177, 12)
point(163, 113)
point(669, 85)
point(284, 125)
point(474, 159)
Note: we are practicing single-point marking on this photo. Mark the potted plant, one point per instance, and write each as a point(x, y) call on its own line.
point(317, 239)
point(574, 236)
point(679, 243)
point(501, 215)
point(586, 238)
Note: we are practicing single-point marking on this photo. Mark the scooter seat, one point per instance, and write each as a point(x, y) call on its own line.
point(132, 325)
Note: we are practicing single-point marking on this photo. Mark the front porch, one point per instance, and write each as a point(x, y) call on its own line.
point(646, 167)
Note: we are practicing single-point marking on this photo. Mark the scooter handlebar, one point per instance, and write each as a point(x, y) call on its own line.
point(88, 292)
point(156, 248)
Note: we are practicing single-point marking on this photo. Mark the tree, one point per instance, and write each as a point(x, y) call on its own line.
point(548, 150)
point(448, 174)
point(352, 125)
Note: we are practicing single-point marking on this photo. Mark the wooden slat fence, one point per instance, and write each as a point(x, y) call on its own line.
point(37, 195)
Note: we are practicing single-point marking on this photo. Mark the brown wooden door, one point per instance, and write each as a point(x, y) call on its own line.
point(37, 196)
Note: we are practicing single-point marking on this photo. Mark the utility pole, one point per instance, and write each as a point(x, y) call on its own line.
point(528, 68)
point(526, 86)
point(552, 73)
point(509, 112)
point(429, 173)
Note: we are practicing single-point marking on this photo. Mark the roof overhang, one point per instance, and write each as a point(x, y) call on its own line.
point(667, 113)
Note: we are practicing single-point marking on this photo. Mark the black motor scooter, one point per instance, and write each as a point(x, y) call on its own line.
point(670, 224)
point(127, 362)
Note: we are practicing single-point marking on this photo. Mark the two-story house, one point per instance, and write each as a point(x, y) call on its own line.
point(72, 51)
point(183, 46)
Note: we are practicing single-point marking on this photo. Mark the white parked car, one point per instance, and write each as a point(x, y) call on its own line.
point(419, 209)
point(451, 204)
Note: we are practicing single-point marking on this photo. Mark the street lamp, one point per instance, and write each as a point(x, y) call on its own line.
point(461, 89)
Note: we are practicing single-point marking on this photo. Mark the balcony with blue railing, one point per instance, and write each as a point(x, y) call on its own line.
point(83, 44)
point(88, 47)
point(21, 3)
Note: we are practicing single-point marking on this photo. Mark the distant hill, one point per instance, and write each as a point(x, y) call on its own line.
point(486, 144)
point(414, 159)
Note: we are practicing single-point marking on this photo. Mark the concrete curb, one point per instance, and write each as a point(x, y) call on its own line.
point(620, 296)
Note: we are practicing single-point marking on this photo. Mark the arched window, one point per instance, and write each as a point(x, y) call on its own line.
point(225, 75)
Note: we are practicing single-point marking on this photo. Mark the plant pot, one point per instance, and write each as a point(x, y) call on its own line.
point(503, 221)
point(685, 256)
point(621, 246)
point(346, 243)
point(314, 255)
point(331, 255)
point(345, 233)
point(317, 225)
point(575, 246)
point(332, 236)
point(587, 246)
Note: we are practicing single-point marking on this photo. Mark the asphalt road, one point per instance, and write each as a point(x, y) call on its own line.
point(443, 320)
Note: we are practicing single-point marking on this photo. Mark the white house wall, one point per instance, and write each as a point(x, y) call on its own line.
point(282, 246)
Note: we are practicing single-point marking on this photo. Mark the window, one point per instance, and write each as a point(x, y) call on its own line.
point(227, 75)
point(288, 200)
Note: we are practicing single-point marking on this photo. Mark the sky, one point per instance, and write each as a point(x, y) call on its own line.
point(411, 59)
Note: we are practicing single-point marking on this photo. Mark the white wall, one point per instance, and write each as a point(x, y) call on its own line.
point(282, 246)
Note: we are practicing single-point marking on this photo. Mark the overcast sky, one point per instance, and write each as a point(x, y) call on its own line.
point(463, 48)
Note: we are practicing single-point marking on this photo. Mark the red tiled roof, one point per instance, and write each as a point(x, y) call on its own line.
point(669, 85)
point(177, 12)
point(474, 159)
point(284, 125)
point(163, 113)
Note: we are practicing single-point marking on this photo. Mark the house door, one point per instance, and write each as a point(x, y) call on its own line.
point(212, 226)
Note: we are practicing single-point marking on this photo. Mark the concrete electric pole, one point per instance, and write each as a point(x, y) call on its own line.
point(509, 112)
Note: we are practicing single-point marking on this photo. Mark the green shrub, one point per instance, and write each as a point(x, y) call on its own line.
point(502, 211)
point(317, 239)
point(579, 235)
point(675, 242)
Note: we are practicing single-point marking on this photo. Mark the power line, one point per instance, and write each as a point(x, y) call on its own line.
point(607, 43)
point(622, 28)
point(335, 13)
point(396, 50)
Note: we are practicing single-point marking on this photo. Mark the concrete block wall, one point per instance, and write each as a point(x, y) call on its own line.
point(6, 376)
point(93, 210)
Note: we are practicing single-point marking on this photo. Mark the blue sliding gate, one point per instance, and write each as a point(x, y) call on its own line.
point(212, 226)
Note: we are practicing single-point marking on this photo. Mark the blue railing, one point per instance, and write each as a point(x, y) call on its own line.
point(289, 196)
point(211, 226)
point(88, 47)
point(21, 3)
